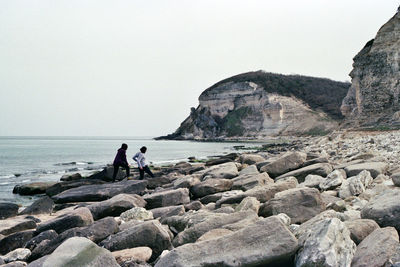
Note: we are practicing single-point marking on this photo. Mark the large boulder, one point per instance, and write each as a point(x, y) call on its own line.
point(384, 209)
point(300, 204)
point(333, 180)
point(268, 191)
point(71, 177)
point(43, 205)
point(312, 181)
point(15, 240)
point(355, 185)
point(223, 171)
point(376, 248)
point(186, 181)
point(138, 254)
point(248, 203)
point(375, 168)
point(360, 229)
point(100, 192)
point(77, 218)
point(265, 243)
point(80, 251)
point(167, 198)
point(327, 244)
point(250, 159)
point(321, 169)
point(150, 234)
point(247, 181)
point(289, 161)
point(115, 205)
point(32, 188)
point(19, 254)
point(8, 210)
point(211, 186)
point(164, 212)
point(62, 186)
point(46, 235)
point(16, 224)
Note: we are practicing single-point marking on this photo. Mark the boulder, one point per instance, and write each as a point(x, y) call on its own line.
point(80, 251)
point(396, 179)
point(322, 169)
point(268, 191)
point(15, 264)
point(139, 214)
point(150, 234)
point(194, 205)
point(214, 233)
point(355, 185)
point(211, 186)
point(212, 162)
point(248, 203)
point(19, 254)
point(376, 248)
point(167, 198)
point(15, 240)
point(230, 197)
point(8, 210)
point(289, 161)
point(334, 179)
point(168, 211)
point(63, 186)
point(107, 174)
point(16, 224)
point(100, 192)
point(138, 254)
point(314, 161)
point(265, 243)
point(252, 169)
point(71, 177)
point(32, 188)
point(250, 159)
point(210, 222)
point(46, 235)
point(384, 209)
point(247, 181)
point(77, 218)
point(312, 181)
point(223, 171)
point(300, 204)
point(375, 168)
point(186, 182)
point(115, 205)
point(327, 244)
point(360, 229)
point(43, 205)
point(217, 196)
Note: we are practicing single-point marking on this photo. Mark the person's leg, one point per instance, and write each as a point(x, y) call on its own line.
point(126, 167)
point(141, 171)
point(116, 167)
point(148, 171)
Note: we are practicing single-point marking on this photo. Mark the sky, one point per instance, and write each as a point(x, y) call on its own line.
point(135, 68)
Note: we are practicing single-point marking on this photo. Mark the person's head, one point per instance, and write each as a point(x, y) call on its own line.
point(124, 146)
point(143, 149)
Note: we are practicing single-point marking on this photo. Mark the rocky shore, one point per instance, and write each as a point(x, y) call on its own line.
point(316, 201)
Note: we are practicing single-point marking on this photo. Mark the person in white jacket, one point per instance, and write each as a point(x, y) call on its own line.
point(141, 161)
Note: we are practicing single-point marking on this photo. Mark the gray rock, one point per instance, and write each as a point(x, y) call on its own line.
point(384, 209)
point(376, 248)
point(15, 240)
point(46, 235)
point(300, 204)
point(71, 177)
point(360, 229)
point(230, 197)
point(15, 264)
point(164, 212)
point(63, 186)
point(16, 224)
point(312, 181)
point(214, 233)
point(194, 205)
point(333, 180)
point(138, 214)
point(268, 191)
point(322, 169)
point(115, 205)
point(265, 243)
point(288, 162)
point(396, 179)
point(100, 192)
point(315, 161)
point(252, 169)
point(355, 185)
point(32, 188)
point(223, 171)
point(327, 244)
point(375, 168)
point(150, 234)
point(19, 254)
point(77, 218)
point(8, 210)
point(247, 181)
point(248, 203)
point(80, 251)
point(250, 159)
point(43, 205)
point(167, 198)
point(211, 186)
point(186, 182)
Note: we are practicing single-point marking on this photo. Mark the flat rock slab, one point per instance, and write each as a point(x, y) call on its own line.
point(265, 243)
point(168, 211)
point(100, 192)
point(247, 181)
point(375, 168)
point(167, 198)
point(62, 186)
point(223, 171)
point(33, 188)
point(289, 161)
point(321, 169)
point(16, 224)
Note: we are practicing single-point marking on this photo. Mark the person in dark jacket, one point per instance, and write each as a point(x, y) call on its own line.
point(120, 161)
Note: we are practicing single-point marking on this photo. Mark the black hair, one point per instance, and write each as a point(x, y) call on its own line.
point(143, 149)
point(124, 146)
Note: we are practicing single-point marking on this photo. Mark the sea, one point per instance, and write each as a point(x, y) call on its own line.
point(33, 159)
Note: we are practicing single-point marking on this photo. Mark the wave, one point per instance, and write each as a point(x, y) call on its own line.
point(72, 163)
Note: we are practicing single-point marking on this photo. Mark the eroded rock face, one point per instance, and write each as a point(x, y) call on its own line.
point(373, 98)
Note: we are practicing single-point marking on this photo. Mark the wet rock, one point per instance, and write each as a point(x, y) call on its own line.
point(150, 234)
point(247, 181)
point(360, 229)
point(100, 192)
point(77, 218)
point(289, 161)
point(376, 248)
point(71, 177)
point(32, 188)
point(139, 214)
point(164, 212)
point(265, 243)
point(167, 198)
point(211, 186)
point(16, 224)
point(115, 205)
point(250, 159)
point(355, 185)
point(19, 254)
point(375, 168)
point(63, 186)
point(43, 205)
point(8, 210)
point(138, 254)
point(46, 235)
point(300, 204)
point(327, 244)
point(223, 171)
point(15, 240)
point(333, 180)
point(322, 169)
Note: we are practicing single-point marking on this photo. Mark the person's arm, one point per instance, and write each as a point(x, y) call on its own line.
point(137, 159)
point(124, 158)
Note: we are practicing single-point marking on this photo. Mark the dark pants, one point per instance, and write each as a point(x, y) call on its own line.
point(116, 167)
point(147, 170)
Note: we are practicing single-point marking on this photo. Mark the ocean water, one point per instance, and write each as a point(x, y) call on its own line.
point(32, 159)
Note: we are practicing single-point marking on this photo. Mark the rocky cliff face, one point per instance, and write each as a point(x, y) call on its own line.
point(259, 104)
point(373, 98)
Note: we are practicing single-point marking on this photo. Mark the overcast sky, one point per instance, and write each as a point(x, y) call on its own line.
point(134, 68)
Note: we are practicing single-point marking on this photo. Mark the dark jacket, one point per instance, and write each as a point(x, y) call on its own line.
point(120, 158)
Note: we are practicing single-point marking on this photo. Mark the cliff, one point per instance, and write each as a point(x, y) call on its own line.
point(373, 98)
point(260, 104)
